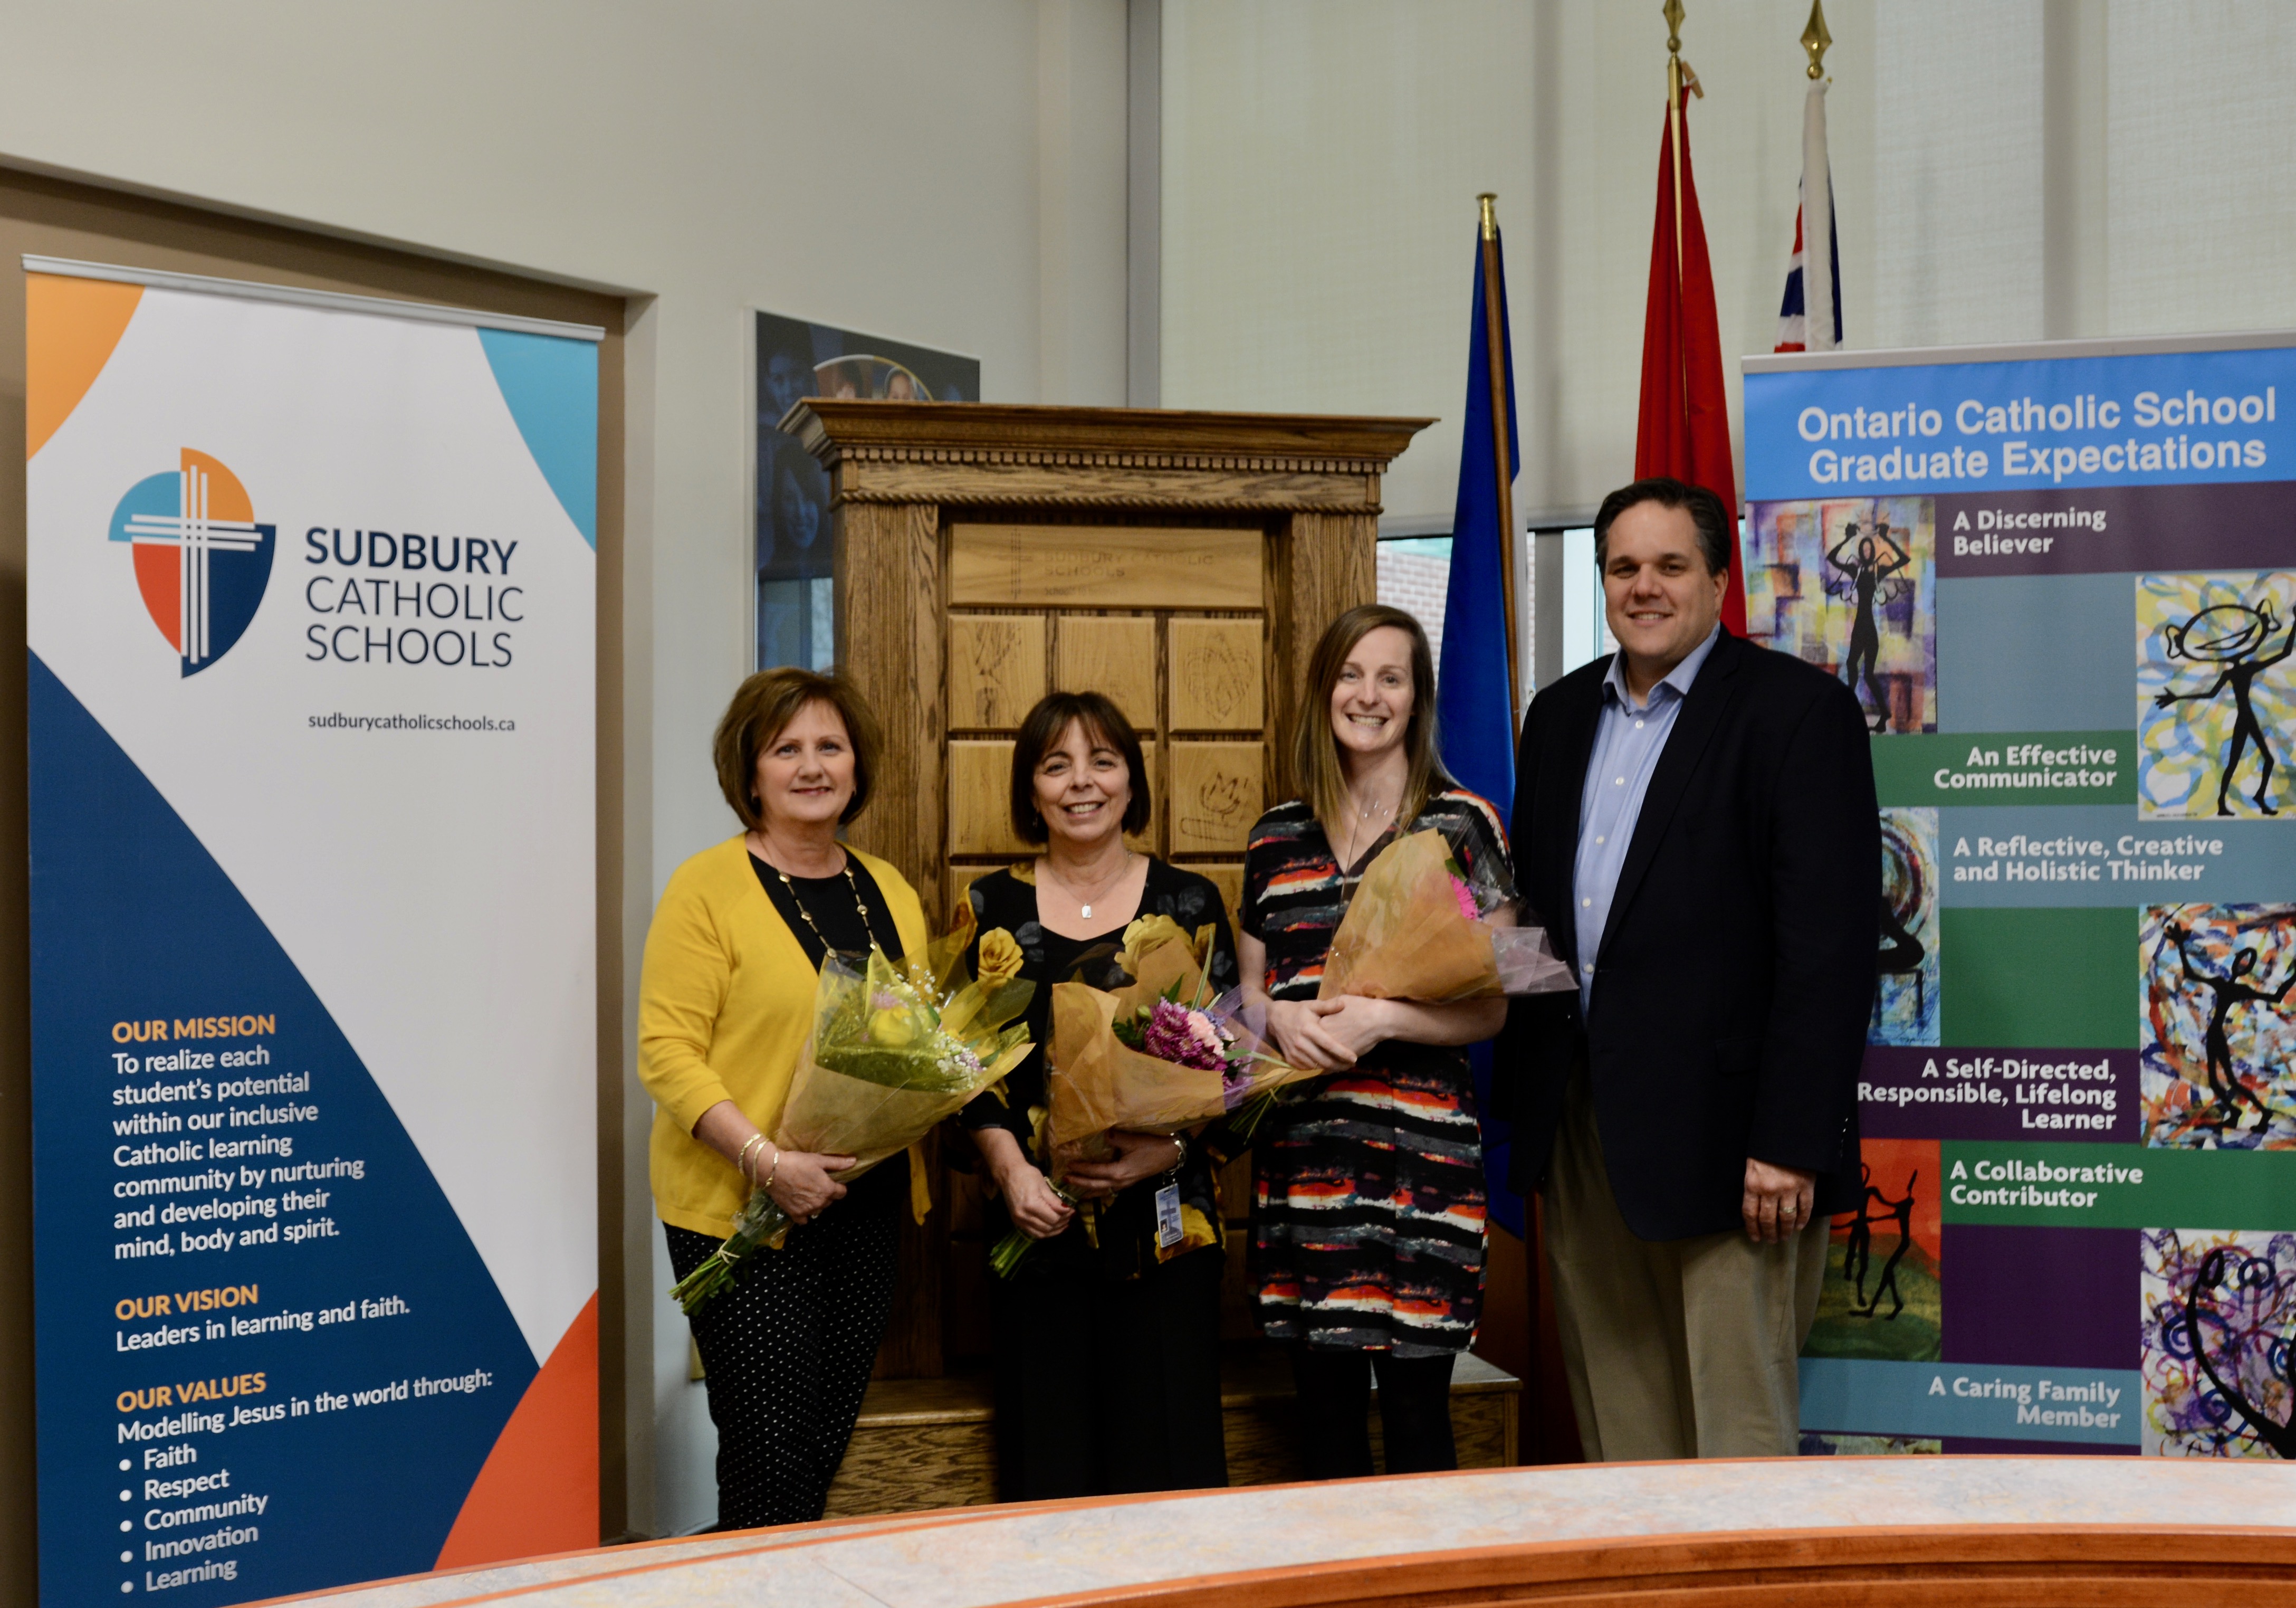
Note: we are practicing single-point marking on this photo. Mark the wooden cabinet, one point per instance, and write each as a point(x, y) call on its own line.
point(1183, 563)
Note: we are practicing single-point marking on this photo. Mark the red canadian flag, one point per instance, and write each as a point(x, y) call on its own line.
point(1684, 427)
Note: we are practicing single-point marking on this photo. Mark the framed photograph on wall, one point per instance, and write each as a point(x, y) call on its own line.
point(796, 559)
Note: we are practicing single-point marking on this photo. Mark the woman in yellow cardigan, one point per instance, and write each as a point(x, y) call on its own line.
point(724, 1006)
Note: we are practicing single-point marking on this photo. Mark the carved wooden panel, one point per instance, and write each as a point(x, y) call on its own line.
point(1218, 675)
point(890, 621)
point(963, 877)
point(996, 669)
point(1217, 792)
point(1115, 654)
point(1229, 880)
point(1112, 487)
point(1105, 566)
point(980, 799)
point(1149, 842)
point(1321, 566)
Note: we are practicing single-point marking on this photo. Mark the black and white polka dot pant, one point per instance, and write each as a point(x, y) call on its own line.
point(787, 1353)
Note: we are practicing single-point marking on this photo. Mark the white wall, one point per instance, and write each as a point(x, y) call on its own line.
point(937, 174)
point(2004, 170)
point(1321, 163)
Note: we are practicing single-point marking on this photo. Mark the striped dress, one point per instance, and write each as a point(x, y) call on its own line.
point(1367, 1190)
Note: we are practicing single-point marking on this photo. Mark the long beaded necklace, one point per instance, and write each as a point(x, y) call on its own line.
point(859, 903)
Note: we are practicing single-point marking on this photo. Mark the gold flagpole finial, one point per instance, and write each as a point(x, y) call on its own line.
point(1815, 39)
point(1680, 75)
point(1489, 202)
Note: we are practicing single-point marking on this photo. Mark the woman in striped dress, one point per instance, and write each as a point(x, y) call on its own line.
point(1367, 1194)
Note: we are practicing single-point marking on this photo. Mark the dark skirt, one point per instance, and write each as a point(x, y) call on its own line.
point(1107, 1387)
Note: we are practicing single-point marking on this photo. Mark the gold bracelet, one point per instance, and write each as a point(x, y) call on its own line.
point(773, 1172)
point(741, 1159)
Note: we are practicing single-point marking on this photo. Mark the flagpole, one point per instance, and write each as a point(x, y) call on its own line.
point(1496, 353)
point(1680, 76)
point(1819, 314)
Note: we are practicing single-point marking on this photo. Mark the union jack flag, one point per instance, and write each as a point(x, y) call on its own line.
point(1810, 318)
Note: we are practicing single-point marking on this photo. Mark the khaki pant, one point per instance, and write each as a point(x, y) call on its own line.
point(1673, 1347)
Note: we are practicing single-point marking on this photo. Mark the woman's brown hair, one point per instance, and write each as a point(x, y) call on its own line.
point(1045, 725)
point(761, 709)
point(1316, 769)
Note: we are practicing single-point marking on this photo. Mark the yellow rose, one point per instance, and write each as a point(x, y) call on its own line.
point(1000, 959)
point(1145, 934)
point(893, 1028)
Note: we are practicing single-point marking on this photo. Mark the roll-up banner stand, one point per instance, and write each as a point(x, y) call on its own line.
point(312, 612)
point(2062, 579)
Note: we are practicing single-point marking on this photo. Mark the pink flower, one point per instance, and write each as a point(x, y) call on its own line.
point(1466, 898)
point(1186, 1038)
point(1202, 1028)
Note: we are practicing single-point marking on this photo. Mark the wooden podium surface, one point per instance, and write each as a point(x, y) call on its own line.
point(1183, 563)
point(1814, 1532)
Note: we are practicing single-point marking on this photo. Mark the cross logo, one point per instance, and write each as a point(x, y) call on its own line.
point(201, 561)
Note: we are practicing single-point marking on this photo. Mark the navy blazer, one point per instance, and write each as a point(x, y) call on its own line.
point(1737, 973)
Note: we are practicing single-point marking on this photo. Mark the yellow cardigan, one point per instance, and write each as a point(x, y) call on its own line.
point(724, 1001)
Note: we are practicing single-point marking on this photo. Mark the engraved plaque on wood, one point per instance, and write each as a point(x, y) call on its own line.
point(1115, 655)
point(1215, 675)
point(996, 669)
point(1216, 794)
point(980, 799)
point(1103, 567)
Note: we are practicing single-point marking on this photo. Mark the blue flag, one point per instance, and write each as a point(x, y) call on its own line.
point(1475, 710)
point(1474, 701)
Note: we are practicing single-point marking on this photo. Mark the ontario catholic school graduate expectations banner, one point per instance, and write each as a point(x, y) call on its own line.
point(311, 604)
point(2061, 578)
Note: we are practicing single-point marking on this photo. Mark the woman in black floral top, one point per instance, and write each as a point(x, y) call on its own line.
point(1107, 1355)
point(1368, 1201)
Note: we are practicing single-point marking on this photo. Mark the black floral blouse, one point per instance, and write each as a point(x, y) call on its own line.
point(1127, 1228)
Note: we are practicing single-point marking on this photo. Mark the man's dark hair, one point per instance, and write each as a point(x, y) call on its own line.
point(1716, 529)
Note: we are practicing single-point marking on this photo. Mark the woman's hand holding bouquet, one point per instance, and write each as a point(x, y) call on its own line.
point(1146, 1061)
point(1426, 926)
point(894, 1049)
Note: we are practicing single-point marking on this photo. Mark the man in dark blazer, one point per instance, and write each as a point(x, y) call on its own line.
point(1694, 820)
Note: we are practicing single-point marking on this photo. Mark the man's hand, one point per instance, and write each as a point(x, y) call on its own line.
point(1777, 1202)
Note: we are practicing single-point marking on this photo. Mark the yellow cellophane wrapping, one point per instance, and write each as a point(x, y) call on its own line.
point(1404, 936)
point(828, 1112)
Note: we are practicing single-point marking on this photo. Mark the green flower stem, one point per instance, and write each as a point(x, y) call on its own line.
point(1004, 1256)
point(760, 1222)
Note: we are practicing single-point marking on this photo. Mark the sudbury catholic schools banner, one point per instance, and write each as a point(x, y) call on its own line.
point(311, 617)
point(2062, 579)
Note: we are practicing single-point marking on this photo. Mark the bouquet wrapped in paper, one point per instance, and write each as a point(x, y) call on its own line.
point(1418, 928)
point(895, 1048)
point(1157, 1055)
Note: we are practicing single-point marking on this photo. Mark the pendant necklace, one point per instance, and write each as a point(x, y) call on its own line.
point(1364, 814)
point(1085, 910)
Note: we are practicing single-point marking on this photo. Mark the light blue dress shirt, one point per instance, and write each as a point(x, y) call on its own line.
point(1629, 738)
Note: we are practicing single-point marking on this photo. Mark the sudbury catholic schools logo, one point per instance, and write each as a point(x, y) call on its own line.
point(201, 561)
